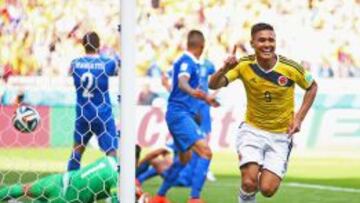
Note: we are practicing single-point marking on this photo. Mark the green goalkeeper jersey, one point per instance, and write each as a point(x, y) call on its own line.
point(96, 181)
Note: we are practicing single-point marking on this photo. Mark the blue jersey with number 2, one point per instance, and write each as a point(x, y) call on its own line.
point(91, 78)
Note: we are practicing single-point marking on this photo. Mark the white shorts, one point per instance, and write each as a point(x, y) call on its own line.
point(269, 150)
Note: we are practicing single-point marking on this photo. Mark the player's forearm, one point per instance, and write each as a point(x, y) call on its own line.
point(197, 93)
point(308, 100)
point(185, 86)
point(218, 79)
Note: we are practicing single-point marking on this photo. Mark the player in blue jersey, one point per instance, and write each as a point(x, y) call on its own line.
point(207, 68)
point(183, 104)
point(93, 107)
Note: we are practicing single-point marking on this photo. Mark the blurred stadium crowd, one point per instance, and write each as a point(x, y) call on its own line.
point(40, 37)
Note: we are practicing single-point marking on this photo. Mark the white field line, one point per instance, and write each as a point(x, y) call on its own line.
point(298, 185)
point(322, 187)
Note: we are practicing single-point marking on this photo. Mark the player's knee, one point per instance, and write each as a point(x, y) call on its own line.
point(267, 190)
point(249, 185)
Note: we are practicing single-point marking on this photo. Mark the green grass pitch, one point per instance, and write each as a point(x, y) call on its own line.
point(309, 180)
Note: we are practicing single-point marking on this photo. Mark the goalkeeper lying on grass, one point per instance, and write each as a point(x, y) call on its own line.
point(96, 181)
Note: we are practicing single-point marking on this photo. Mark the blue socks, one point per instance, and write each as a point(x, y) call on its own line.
point(170, 176)
point(74, 162)
point(151, 172)
point(200, 167)
point(142, 168)
point(199, 176)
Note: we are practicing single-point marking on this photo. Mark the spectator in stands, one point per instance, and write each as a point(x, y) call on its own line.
point(154, 71)
point(146, 96)
point(326, 70)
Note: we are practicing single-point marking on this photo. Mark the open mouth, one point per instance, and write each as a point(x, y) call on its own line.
point(267, 52)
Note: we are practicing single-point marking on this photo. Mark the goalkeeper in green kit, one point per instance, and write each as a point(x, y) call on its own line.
point(96, 181)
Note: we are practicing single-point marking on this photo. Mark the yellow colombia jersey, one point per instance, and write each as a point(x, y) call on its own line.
point(270, 94)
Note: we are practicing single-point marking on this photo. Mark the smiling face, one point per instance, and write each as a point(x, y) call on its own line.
point(264, 44)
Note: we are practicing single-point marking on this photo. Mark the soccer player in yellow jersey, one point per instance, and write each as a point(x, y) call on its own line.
point(264, 139)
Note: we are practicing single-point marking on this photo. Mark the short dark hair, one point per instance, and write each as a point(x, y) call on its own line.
point(259, 27)
point(194, 38)
point(91, 42)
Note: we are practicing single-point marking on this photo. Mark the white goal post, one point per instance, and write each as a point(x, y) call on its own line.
point(127, 106)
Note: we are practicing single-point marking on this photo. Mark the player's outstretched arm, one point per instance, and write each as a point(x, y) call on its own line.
point(218, 79)
point(197, 93)
point(308, 100)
